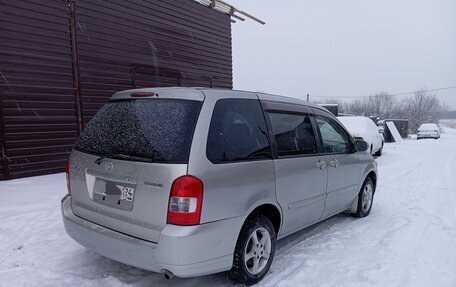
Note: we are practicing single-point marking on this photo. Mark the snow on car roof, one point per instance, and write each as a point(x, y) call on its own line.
point(428, 126)
point(357, 125)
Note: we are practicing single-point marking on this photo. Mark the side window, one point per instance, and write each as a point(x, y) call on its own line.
point(335, 139)
point(237, 132)
point(293, 134)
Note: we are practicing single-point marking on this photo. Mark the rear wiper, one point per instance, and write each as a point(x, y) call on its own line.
point(131, 157)
point(100, 159)
point(127, 157)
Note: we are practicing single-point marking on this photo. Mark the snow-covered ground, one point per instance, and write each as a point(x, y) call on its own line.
point(408, 240)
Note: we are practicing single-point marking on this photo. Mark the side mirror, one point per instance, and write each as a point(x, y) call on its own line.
point(361, 146)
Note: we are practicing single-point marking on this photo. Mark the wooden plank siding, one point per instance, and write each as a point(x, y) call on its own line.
point(119, 45)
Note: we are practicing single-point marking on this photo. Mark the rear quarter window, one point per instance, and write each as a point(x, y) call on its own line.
point(237, 132)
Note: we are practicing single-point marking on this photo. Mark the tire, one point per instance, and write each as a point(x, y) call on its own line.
point(365, 199)
point(251, 271)
point(380, 151)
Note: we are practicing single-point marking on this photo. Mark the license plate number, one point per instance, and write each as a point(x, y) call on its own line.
point(126, 193)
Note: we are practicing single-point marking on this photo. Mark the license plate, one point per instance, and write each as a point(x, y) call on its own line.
point(126, 193)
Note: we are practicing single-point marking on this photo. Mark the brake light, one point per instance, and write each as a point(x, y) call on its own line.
point(142, 94)
point(185, 201)
point(67, 171)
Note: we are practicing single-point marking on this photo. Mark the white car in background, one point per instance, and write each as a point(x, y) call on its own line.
point(365, 129)
point(428, 131)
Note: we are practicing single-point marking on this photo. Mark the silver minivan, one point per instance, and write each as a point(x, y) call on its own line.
point(194, 181)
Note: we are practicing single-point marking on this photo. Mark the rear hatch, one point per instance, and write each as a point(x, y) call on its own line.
point(124, 163)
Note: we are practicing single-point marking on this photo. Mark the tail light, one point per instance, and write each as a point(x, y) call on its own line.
point(185, 201)
point(67, 171)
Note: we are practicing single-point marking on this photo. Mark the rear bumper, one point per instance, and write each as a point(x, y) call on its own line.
point(427, 135)
point(186, 251)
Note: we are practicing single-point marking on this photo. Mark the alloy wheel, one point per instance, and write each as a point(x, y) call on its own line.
point(257, 251)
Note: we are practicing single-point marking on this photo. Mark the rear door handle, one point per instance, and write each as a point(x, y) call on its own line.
point(321, 164)
point(334, 163)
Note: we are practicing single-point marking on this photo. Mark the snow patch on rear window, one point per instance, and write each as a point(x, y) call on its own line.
point(160, 130)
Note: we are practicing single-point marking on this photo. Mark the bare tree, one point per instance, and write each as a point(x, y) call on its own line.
point(420, 108)
point(423, 107)
point(342, 104)
point(380, 105)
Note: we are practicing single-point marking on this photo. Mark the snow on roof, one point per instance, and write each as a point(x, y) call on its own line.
point(227, 8)
point(428, 126)
point(358, 125)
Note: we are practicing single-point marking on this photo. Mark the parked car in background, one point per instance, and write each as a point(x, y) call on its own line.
point(428, 130)
point(190, 182)
point(365, 129)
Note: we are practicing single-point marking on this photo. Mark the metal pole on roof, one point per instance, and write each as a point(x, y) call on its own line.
point(251, 17)
point(234, 9)
point(307, 96)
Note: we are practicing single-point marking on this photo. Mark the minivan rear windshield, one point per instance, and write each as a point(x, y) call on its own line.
point(155, 130)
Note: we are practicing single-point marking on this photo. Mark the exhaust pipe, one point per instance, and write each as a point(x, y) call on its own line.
point(168, 274)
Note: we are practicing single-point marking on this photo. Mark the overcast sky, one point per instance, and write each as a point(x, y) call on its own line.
point(346, 48)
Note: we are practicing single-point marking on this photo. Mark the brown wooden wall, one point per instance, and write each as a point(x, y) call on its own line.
point(48, 77)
